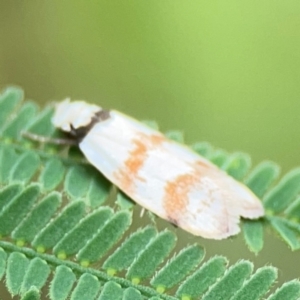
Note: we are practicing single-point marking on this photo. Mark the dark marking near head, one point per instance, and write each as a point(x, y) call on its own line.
point(81, 132)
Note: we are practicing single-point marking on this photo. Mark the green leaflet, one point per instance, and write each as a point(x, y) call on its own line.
point(123, 257)
point(9, 100)
point(238, 165)
point(232, 280)
point(42, 123)
point(253, 234)
point(87, 288)
point(52, 174)
point(288, 230)
point(257, 285)
point(150, 258)
point(98, 191)
point(107, 236)
point(152, 124)
point(37, 219)
point(178, 268)
point(17, 265)
point(25, 167)
point(175, 135)
point(56, 229)
point(8, 193)
point(62, 283)
point(32, 294)
point(20, 121)
point(262, 177)
point(202, 148)
point(289, 290)
point(132, 294)
point(293, 211)
point(77, 237)
point(123, 201)
point(14, 212)
point(111, 290)
point(199, 282)
point(8, 158)
point(219, 158)
point(35, 275)
point(77, 181)
point(284, 193)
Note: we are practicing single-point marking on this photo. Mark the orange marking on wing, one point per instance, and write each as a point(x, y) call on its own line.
point(136, 159)
point(176, 196)
point(203, 164)
point(156, 140)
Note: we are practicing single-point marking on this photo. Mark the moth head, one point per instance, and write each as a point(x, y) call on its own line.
point(71, 116)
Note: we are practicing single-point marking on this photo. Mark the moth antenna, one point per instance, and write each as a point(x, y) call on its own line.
point(47, 140)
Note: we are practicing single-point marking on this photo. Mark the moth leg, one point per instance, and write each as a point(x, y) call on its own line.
point(47, 140)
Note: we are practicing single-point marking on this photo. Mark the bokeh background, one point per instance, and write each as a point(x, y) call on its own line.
point(227, 72)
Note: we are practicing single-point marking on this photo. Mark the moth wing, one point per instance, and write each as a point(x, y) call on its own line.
point(215, 205)
point(168, 178)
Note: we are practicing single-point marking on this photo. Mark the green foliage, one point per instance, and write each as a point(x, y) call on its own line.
point(173, 272)
point(253, 234)
point(83, 232)
point(233, 280)
point(17, 265)
point(124, 256)
point(87, 287)
point(258, 284)
point(55, 230)
point(58, 229)
point(31, 294)
point(62, 283)
point(207, 275)
point(15, 211)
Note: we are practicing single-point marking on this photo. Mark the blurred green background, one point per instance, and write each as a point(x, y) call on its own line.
point(227, 72)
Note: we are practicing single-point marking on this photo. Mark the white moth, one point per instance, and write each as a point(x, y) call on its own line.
point(165, 177)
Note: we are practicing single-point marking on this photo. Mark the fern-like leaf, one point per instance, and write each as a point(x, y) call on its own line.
point(58, 226)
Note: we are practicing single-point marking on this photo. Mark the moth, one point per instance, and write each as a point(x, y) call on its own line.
point(161, 175)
